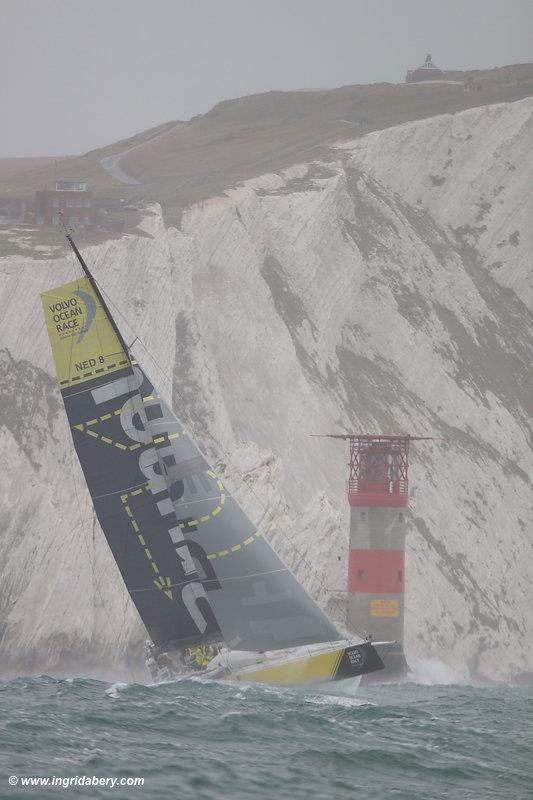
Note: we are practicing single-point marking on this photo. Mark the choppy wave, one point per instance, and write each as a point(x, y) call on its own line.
point(208, 740)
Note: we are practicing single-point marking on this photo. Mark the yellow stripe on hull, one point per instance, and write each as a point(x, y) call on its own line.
point(309, 669)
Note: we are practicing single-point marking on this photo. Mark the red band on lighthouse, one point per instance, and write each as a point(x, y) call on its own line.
point(378, 571)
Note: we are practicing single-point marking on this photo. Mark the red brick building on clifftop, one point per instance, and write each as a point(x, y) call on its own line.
point(69, 197)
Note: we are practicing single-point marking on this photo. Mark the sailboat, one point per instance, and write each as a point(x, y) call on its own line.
point(198, 571)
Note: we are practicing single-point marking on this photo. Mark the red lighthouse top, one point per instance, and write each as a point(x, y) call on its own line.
point(378, 469)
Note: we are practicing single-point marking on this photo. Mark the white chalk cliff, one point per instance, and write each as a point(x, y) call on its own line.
point(382, 291)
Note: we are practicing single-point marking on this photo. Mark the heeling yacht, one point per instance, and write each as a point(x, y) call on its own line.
point(200, 574)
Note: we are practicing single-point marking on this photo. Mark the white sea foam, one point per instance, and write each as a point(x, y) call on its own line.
point(337, 700)
point(114, 689)
point(432, 672)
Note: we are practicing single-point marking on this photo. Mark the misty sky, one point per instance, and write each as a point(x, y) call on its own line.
point(79, 74)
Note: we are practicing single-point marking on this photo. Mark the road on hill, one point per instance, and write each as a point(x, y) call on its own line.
point(111, 164)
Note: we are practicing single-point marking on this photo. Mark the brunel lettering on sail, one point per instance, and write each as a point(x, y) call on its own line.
point(194, 564)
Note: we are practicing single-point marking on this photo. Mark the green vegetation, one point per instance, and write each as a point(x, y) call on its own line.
point(239, 139)
point(242, 138)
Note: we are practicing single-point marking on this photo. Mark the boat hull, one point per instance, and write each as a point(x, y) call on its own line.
point(331, 669)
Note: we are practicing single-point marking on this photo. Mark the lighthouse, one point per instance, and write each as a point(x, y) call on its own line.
point(378, 491)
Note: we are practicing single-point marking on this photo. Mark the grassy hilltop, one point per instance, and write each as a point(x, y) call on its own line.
point(177, 165)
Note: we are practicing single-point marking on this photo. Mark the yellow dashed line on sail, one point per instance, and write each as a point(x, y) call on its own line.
point(235, 548)
point(161, 582)
point(164, 584)
point(135, 407)
point(94, 372)
point(82, 427)
point(145, 488)
point(193, 523)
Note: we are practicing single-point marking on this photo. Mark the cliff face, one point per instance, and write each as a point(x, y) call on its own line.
point(382, 291)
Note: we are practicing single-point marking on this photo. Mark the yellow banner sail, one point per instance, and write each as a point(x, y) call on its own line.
point(83, 342)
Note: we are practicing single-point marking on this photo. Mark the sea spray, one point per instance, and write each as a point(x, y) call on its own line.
point(431, 671)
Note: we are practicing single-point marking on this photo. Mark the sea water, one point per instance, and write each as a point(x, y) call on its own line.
point(195, 739)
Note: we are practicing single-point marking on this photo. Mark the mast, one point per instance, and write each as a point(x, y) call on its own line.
point(96, 289)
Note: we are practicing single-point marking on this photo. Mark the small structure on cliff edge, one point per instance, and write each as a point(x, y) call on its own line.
point(427, 72)
point(70, 198)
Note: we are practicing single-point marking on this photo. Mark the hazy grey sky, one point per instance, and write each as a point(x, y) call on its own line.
point(78, 74)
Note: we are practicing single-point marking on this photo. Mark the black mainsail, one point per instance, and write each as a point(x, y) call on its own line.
point(195, 566)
